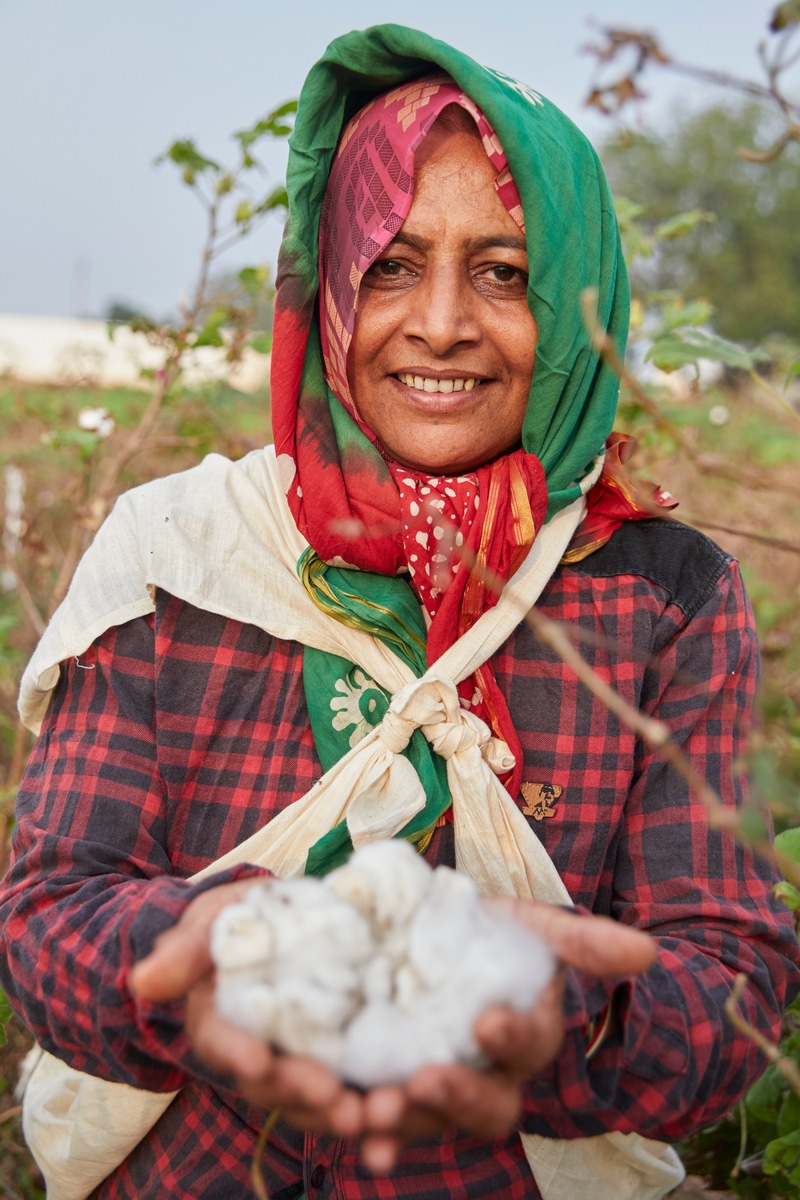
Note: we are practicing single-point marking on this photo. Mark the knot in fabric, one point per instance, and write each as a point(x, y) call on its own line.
point(432, 704)
point(422, 703)
point(396, 730)
point(449, 738)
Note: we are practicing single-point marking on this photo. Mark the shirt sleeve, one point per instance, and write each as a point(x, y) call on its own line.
point(673, 1062)
point(91, 885)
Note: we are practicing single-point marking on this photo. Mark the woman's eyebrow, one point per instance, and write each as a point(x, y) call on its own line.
point(493, 241)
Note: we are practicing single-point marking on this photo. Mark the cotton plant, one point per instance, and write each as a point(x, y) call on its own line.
point(381, 967)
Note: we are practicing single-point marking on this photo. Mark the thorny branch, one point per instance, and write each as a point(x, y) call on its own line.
point(611, 98)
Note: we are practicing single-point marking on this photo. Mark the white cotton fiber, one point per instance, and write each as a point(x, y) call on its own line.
point(376, 970)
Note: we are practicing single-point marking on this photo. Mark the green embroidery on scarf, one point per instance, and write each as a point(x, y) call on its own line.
point(344, 704)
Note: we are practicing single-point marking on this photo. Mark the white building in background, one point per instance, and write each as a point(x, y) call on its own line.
point(65, 351)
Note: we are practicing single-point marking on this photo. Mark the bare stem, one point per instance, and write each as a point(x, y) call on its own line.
point(751, 535)
point(555, 635)
point(787, 1066)
point(28, 603)
point(256, 1171)
point(703, 461)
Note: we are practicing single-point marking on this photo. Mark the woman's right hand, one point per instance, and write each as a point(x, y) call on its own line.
point(308, 1093)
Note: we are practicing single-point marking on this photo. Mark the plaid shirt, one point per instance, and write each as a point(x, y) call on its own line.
point(178, 735)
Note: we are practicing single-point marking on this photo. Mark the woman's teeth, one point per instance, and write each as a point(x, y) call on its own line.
point(437, 385)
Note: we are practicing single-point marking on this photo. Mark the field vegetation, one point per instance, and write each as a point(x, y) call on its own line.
point(715, 255)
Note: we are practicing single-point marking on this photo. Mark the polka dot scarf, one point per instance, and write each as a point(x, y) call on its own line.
point(437, 514)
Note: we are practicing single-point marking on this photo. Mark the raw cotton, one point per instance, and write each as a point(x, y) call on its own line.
point(377, 969)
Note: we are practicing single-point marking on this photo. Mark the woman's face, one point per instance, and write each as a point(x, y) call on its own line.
point(444, 344)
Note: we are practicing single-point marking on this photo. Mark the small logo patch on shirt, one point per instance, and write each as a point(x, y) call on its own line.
point(540, 799)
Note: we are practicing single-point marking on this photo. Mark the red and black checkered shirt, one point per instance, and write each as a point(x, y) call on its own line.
point(178, 735)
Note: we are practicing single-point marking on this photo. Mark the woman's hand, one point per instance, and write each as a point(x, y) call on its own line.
point(520, 1045)
point(486, 1103)
point(180, 964)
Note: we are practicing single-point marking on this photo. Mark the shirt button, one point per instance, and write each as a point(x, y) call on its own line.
point(317, 1177)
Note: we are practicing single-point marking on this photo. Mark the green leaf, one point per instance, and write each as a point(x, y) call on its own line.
point(677, 349)
point(764, 1099)
point(784, 15)
point(6, 1014)
point(682, 223)
point(184, 153)
point(261, 343)
point(278, 198)
point(789, 1115)
point(271, 125)
point(254, 279)
point(680, 312)
point(787, 894)
point(211, 332)
point(244, 212)
point(782, 1156)
point(794, 369)
point(788, 843)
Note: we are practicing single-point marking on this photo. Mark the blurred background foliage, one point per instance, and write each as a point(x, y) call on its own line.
point(713, 244)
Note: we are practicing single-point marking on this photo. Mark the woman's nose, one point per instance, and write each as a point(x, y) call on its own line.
point(442, 310)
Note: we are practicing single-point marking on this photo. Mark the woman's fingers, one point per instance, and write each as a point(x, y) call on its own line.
point(486, 1103)
point(523, 1044)
point(598, 945)
point(182, 955)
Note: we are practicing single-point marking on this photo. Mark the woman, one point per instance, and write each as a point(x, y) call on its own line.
point(439, 413)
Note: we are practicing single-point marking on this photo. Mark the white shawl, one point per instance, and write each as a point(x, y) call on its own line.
point(221, 537)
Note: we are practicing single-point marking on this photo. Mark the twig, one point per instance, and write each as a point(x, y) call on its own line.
point(12, 783)
point(787, 1066)
point(256, 1171)
point(28, 602)
point(554, 635)
point(751, 535)
point(10, 1113)
point(737, 1166)
point(719, 466)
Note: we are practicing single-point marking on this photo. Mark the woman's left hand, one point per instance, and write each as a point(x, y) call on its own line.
point(520, 1045)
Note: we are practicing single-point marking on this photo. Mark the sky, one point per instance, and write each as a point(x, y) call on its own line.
point(91, 91)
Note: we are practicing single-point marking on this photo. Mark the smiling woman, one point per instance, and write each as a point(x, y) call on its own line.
point(298, 654)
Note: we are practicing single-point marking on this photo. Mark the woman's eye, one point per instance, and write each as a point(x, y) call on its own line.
point(504, 273)
point(502, 279)
point(385, 271)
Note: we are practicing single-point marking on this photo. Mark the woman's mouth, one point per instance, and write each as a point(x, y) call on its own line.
point(428, 384)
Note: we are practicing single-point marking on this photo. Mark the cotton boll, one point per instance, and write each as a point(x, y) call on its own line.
point(321, 925)
point(385, 881)
point(377, 970)
point(300, 1000)
point(442, 926)
point(241, 938)
point(385, 1045)
point(377, 982)
point(408, 986)
point(247, 1003)
point(505, 963)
